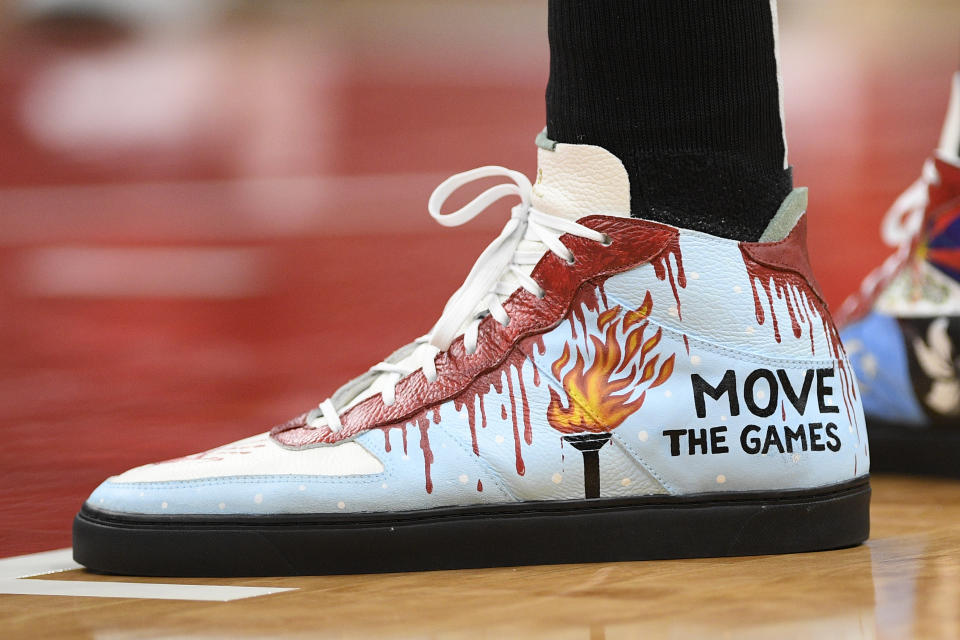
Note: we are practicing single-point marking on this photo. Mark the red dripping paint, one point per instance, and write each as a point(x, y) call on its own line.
point(494, 379)
point(590, 298)
point(638, 242)
point(536, 376)
point(525, 407)
point(386, 439)
point(664, 270)
point(603, 294)
point(403, 430)
point(475, 393)
point(758, 307)
point(538, 341)
point(588, 301)
point(472, 418)
point(470, 403)
point(783, 411)
point(521, 468)
point(576, 315)
point(686, 343)
point(805, 316)
point(424, 425)
point(783, 285)
point(792, 312)
point(848, 384)
point(793, 284)
point(436, 415)
point(479, 485)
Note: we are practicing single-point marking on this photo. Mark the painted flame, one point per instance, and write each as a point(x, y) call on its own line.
point(599, 394)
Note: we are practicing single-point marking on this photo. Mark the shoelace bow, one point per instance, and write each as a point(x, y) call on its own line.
point(900, 228)
point(481, 293)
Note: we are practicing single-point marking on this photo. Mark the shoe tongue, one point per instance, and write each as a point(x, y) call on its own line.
point(573, 181)
point(577, 180)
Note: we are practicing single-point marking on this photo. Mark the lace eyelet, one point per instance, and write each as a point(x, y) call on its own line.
point(572, 261)
point(606, 241)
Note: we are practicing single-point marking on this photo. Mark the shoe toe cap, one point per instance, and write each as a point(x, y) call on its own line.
point(252, 476)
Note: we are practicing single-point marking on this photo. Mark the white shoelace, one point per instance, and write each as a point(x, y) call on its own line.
point(487, 284)
point(901, 224)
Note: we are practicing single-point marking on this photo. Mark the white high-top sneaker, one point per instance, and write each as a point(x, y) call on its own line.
point(600, 388)
point(903, 326)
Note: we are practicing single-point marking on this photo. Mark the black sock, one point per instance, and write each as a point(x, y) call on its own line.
point(685, 93)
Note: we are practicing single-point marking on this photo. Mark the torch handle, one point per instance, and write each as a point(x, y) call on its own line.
point(591, 474)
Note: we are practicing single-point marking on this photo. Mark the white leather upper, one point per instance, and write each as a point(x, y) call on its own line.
point(259, 455)
point(576, 180)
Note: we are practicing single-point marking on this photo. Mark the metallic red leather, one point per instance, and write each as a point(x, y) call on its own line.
point(781, 271)
point(634, 242)
point(787, 255)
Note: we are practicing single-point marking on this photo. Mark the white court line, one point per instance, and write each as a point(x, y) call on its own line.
point(136, 590)
point(14, 570)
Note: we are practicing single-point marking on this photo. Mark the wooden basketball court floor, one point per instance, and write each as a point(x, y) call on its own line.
point(209, 221)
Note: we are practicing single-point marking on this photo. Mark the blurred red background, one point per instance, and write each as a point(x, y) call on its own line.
point(211, 214)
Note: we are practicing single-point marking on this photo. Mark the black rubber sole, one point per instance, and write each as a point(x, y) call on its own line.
point(549, 532)
point(927, 452)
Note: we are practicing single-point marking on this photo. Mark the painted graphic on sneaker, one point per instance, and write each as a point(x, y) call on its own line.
point(590, 356)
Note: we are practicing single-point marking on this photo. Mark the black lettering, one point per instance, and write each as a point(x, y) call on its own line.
point(799, 435)
point(799, 402)
point(693, 441)
point(773, 438)
point(718, 440)
point(728, 385)
point(674, 435)
point(823, 390)
point(815, 444)
point(748, 393)
point(750, 445)
point(834, 444)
